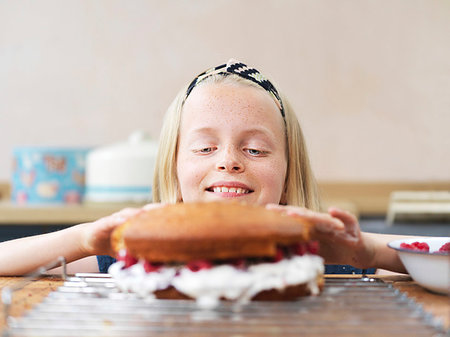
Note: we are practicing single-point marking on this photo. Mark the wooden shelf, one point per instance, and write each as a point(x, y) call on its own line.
point(372, 198)
point(360, 198)
point(11, 214)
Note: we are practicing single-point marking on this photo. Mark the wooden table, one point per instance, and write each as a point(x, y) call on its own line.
point(436, 304)
point(33, 293)
point(27, 297)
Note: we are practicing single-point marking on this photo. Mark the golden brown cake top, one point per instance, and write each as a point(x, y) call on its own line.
point(215, 230)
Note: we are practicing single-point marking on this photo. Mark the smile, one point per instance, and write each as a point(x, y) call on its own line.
point(229, 188)
point(223, 189)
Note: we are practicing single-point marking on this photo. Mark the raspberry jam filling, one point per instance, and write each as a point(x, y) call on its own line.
point(283, 252)
point(198, 265)
point(126, 258)
point(151, 267)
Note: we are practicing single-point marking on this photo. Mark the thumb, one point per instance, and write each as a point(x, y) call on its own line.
point(344, 216)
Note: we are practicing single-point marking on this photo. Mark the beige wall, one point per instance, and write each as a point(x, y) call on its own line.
point(370, 80)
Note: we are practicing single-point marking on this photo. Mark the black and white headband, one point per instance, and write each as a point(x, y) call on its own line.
point(241, 70)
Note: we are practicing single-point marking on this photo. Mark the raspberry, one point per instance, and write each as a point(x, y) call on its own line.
point(299, 249)
point(199, 265)
point(126, 258)
point(151, 267)
point(279, 255)
point(312, 247)
point(406, 246)
point(445, 248)
point(418, 246)
point(422, 246)
point(238, 263)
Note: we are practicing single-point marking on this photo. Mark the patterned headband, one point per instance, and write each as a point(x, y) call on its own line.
point(244, 71)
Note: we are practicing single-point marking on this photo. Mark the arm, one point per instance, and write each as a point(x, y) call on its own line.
point(22, 256)
point(342, 242)
point(385, 258)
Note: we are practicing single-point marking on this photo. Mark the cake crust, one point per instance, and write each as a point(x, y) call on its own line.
point(215, 230)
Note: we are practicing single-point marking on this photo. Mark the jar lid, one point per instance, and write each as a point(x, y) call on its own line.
point(139, 144)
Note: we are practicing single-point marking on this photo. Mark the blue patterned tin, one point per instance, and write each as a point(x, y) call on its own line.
point(48, 175)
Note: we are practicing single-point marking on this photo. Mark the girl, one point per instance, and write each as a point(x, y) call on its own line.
point(230, 134)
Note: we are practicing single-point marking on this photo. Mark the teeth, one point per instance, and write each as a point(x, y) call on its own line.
point(231, 190)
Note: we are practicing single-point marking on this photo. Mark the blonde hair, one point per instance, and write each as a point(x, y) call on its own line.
point(300, 187)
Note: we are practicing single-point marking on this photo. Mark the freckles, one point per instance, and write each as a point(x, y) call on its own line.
point(193, 172)
point(197, 176)
point(272, 172)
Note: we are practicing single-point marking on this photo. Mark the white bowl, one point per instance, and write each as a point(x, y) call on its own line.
point(429, 269)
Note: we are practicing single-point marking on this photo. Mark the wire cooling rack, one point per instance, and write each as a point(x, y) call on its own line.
point(91, 305)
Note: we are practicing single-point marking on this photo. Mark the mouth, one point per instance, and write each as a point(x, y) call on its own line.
point(229, 190)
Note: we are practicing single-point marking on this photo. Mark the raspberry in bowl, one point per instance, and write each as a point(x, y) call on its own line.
point(427, 260)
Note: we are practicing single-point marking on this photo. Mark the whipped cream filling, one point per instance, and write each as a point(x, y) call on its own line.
point(208, 286)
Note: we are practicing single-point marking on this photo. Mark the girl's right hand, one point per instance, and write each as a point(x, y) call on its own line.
point(96, 235)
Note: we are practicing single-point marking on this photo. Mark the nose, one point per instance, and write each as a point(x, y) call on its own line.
point(230, 161)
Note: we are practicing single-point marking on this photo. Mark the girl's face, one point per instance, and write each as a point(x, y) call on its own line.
point(231, 146)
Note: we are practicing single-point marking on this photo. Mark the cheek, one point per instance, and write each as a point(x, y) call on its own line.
point(273, 174)
point(189, 173)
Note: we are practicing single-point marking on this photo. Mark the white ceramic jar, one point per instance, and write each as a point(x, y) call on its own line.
point(122, 172)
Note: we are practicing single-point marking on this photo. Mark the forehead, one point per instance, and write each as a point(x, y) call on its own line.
point(231, 103)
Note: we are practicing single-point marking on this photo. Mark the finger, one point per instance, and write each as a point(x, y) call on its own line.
point(288, 209)
point(316, 217)
point(121, 216)
point(325, 223)
point(349, 220)
point(345, 216)
point(107, 224)
point(127, 212)
point(276, 207)
point(153, 206)
point(322, 221)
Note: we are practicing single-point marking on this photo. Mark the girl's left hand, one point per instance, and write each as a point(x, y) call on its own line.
point(339, 234)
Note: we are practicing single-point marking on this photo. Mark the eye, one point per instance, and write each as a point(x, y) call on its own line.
point(255, 152)
point(204, 150)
